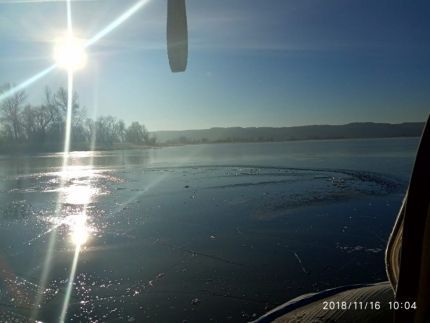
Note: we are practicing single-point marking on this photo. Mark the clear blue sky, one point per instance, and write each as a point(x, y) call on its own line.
point(251, 63)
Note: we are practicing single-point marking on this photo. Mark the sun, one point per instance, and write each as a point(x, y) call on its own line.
point(69, 53)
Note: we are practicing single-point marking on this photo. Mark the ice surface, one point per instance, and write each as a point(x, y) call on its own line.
point(189, 242)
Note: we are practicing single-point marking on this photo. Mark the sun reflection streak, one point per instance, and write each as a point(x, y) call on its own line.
point(52, 239)
point(68, 118)
point(70, 284)
point(81, 219)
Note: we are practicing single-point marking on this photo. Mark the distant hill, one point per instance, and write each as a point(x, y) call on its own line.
point(258, 134)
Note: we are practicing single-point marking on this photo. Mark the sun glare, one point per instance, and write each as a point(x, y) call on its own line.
point(79, 230)
point(69, 53)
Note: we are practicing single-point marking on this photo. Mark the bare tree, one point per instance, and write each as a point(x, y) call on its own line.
point(45, 124)
point(11, 110)
point(60, 99)
point(27, 121)
point(120, 131)
point(89, 130)
point(137, 133)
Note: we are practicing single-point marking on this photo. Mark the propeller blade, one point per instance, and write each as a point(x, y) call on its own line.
point(177, 35)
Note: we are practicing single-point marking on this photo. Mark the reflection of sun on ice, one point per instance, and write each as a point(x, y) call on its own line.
point(69, 53)
point(79, 230)
point(79, 194)
point(76, 194)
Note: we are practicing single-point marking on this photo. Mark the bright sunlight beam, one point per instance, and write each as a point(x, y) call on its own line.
point(69, 53)
point(117, 22)
point(26, 83)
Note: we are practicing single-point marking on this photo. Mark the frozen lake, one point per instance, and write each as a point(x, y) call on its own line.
point(196, 233)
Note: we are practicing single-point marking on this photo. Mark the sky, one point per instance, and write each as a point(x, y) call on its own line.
point(251, 63)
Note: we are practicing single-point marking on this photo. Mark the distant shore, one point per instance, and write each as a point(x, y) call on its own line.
point(270, 134)
point(26, 148)
point(365, 130)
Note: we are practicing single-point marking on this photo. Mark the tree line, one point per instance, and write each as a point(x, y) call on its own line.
point(43, 126)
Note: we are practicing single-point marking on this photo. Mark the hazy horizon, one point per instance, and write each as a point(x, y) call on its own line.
point(300, 125)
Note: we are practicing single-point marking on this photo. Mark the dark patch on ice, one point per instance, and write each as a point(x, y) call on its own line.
point(252, 184)
point(384, 184)
point(287, 188)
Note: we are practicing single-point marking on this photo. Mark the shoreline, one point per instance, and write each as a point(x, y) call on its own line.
point(24, 149)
